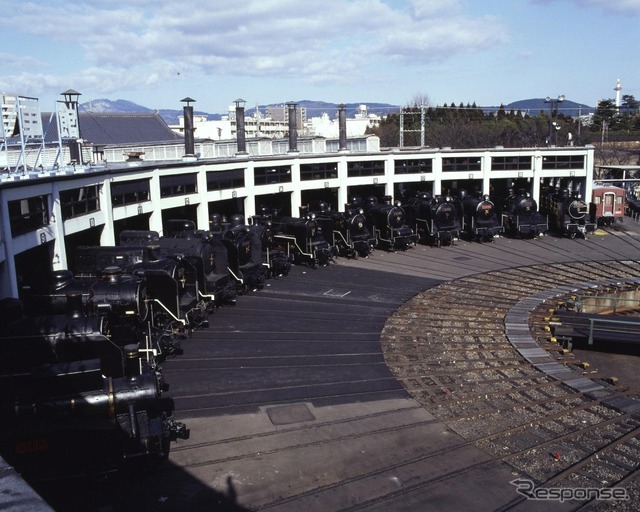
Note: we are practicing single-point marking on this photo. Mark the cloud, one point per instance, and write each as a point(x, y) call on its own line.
point(624, 7)
point(131, 42)
point(429, 8)
point(619, 6)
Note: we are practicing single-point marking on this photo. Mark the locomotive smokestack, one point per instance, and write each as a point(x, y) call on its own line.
point(112, 274)
point(293, 130)
point(240, 131)
point(342, 127)
point(189, 146)
point(74, 304)
point(131, 361)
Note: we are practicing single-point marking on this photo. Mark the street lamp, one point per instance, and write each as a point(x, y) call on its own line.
point(240, 131)
point(553, 106)
point(557, 129)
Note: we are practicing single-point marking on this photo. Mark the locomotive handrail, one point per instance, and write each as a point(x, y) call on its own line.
point(377, 232)
point(177, 319)
point(239, 279)
point(295, 243)
point(340, 235)
point(208, 296)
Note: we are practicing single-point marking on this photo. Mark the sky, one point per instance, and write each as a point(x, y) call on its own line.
point(155, 53)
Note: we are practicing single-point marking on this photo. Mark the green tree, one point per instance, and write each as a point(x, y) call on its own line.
point(604, 116)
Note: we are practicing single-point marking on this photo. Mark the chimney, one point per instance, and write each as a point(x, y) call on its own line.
point(293, 131)
point(342, 127)
point(189, 147)
point(70, 124)
point(240, 131)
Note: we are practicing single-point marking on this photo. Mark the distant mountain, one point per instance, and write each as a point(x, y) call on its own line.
point(316, 108)
point(105, 106)
point(534, 106)
point(170, 116)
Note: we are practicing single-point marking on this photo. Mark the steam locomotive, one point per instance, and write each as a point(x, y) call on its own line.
point(521, 217)
point(436, 220)
point(181, 276)
point(301, 239)
point(568, 213)
point(275, 261)
point(347, 231)
point(130, 306)
point(480, 217)
point(244, 251)
point(79, 393)
point(387, 222)
point(204, 252)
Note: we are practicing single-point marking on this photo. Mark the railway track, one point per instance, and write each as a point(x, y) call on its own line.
point(450, 349)
point(393, 384)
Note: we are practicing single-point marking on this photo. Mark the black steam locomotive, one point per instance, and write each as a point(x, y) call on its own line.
point(131, 306)
point(244, 251)
point(347, 231)
point(436, 220)
point(274, 260)
point(78, 393)
point(480, 218)
point(521, 217)
point(204, 252)
point(568, 213)
point(387, 222)
point(302, 240)
point(181, 278)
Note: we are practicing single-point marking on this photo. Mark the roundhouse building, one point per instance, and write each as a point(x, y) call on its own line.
point(49, 207)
